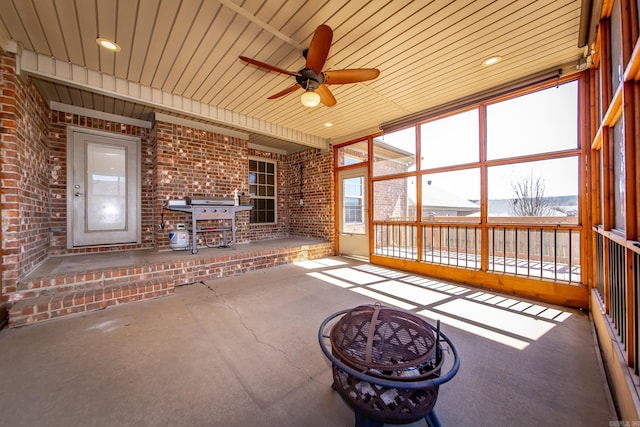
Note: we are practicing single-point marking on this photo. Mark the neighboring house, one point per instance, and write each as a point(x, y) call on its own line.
point(439, 202)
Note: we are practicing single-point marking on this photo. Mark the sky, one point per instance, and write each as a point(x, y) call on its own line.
point(544, 121)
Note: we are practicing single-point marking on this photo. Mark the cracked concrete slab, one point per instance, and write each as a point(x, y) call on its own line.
point(243, 351)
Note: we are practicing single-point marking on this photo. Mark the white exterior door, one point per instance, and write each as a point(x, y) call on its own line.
point(353, 212)
point(103, 194)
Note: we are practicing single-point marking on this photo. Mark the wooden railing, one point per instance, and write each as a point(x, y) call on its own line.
point(452, 244)
point(599, 247)
point(636, 285)
point(396, 239)
point(546, 251)
point(541, 251)
point(618, 284)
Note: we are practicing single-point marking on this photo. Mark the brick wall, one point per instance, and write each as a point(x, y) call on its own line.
point(315, 218)
point(176, 161)
point(193, 162)
point(24, 175)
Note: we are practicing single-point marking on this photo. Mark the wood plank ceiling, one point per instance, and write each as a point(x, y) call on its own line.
point(429, 53)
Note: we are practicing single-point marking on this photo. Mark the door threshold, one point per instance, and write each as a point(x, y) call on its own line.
point(356, 257)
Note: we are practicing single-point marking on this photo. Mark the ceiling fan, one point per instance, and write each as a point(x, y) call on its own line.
point(311, 78)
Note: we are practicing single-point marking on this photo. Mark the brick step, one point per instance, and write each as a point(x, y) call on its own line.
point(65, 281)
point(44, 307)
point(47, 296)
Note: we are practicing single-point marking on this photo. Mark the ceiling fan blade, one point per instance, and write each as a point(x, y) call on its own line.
point(267, 66)
point(339, 77)
point(326, 97)
point(284, 92)
point(319, 48)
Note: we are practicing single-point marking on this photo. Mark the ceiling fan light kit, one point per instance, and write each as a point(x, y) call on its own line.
point(310, 99)
point(311, 78)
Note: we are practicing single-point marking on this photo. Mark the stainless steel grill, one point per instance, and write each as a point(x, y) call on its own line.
point(209, 209)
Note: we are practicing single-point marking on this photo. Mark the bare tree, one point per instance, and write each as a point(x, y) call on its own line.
point(529, 197)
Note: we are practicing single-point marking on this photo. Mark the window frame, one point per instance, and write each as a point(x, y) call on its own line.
point(255, 197)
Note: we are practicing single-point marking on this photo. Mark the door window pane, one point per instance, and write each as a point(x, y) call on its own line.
point(353, 205)
point(106, 187)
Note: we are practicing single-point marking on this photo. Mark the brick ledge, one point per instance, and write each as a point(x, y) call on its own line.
point(46, 307)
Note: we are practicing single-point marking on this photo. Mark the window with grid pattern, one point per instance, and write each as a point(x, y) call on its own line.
point(353, 200)
point(262, 189)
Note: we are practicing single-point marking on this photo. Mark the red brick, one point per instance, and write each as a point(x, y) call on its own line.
point(78, 298)
point(67, 300)
point(56, 302)
point(27, 310)
point(42, 306)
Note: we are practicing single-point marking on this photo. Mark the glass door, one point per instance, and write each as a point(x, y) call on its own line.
point(103, 194)
point(353, 212)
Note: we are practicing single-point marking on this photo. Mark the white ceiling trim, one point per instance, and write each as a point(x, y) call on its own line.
point(55, 70)
point(5, 39)
point(199, 125)
point(267, 149)
point(72, 109)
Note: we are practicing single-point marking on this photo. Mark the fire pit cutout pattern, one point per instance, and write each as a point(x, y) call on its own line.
point(387, 364)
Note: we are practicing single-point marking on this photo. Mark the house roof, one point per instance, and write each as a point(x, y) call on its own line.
point(181, 58)
point(434, 197)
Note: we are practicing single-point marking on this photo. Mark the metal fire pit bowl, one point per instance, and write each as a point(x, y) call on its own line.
point(387, 363)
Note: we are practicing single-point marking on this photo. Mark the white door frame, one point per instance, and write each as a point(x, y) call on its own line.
point(134, 220)
point(354, 243)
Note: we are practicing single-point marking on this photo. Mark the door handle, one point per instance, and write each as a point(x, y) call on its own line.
point(78, 194)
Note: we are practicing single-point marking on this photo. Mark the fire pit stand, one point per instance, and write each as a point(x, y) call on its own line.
point(387, 363)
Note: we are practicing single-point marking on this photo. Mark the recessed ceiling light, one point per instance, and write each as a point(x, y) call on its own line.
point(108, 44)
point(492, 60)
point(328, 124)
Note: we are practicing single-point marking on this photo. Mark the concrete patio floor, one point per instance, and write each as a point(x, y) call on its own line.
point(243, 351)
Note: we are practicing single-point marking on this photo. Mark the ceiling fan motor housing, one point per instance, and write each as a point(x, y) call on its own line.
point(309, 79)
